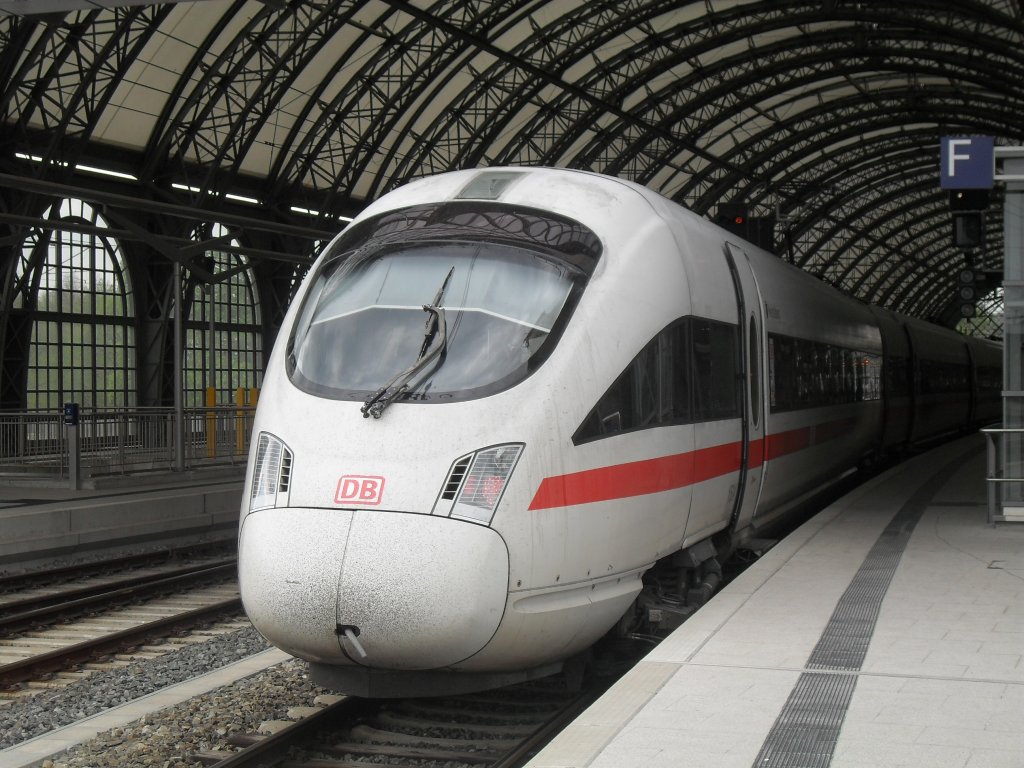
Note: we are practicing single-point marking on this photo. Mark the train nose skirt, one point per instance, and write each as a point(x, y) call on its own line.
point(372, 588)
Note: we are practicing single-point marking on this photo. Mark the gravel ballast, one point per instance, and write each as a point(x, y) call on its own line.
point(171, 737)
point(51, 709)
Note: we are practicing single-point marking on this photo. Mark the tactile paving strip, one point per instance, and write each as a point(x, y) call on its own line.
point(844, 641)
point(805, 733)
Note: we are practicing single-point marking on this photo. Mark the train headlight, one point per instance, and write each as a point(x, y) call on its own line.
point(476, 483)
point(271, 475)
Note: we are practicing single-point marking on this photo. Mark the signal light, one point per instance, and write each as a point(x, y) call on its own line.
point(968, 199)
point(967, 293)
point(969, 229)
point(736, 218)
point(732, 215)
point(968, 207)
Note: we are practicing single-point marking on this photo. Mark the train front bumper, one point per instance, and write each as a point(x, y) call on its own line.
point(418, 592)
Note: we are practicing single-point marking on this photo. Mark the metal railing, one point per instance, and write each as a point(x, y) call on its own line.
point(35, 444)
point(1004, 474)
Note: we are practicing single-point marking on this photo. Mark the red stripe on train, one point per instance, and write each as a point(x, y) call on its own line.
point(668, 473)
point(637, 478)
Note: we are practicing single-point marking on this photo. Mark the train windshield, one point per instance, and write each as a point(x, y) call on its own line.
point(445, 303)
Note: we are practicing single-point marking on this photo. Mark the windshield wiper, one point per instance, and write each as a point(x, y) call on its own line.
point(436, 328)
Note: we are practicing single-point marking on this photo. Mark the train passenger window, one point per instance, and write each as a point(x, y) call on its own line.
point(938, 377)
point(715, 370)
point(871, 376)
point(646, 380)
point(652, 391)
point(617, 410)
point(990, 383)
point(896, 376)
point(809, 374)
point(688, 372)
point(680, 377)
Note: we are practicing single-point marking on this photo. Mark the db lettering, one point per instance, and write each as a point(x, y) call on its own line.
point(359, 489)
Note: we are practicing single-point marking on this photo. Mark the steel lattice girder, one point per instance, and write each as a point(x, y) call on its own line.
point(829, 113)
point(66, 78)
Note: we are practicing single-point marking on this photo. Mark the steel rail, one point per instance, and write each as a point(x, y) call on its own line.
point(267, 751)
point(11, 582)
point(80, 599)
point(261, 749)
point(520, 754)
point(61, 658)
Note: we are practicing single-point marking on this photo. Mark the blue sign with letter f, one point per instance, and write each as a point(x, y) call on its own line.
point(967, 162)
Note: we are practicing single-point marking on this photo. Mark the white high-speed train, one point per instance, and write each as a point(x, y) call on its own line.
point(512, 409)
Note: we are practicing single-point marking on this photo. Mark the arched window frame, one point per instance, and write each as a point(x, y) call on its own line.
point(74, 280)
point(233, 323)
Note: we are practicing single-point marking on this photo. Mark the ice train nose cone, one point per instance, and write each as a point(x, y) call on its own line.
point(288, 562)
point(416, 591)
point(425, 592)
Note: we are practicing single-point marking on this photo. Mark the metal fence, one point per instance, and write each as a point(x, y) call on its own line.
point(1005, 474)
point(121, 440)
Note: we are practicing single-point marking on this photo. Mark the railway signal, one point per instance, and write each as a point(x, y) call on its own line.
point(966, 169)
point(967, 292)
point(968, 207)
point(735, 217)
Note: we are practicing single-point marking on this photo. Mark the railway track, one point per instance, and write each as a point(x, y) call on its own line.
point(496, 729)
point(20, 586)
point(34, 610)
point(38, 587)
point(48, 629)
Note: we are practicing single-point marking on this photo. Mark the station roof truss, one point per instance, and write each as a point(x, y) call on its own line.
point(285, 115)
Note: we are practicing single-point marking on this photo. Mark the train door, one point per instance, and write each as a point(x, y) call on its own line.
point(754, 399)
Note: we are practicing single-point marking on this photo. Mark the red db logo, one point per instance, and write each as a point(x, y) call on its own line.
point(359, 489)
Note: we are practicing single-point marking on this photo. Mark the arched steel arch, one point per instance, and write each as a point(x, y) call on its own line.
point(828, 113)
point(234, 97)
point(62, 74)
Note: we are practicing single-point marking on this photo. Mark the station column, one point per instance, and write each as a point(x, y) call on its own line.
point(1013, 324)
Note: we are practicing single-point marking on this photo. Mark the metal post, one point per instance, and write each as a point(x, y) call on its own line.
point(1010, 494)
point(74, 457)
point(990, 474)
point(71, 418)
point(211, 423)
point(240, 421)
point(212, 375)
point(179, 383)
point(123, 427)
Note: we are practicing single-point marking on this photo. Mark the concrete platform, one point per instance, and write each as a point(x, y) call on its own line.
point(39, 524)
point(886, 631)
